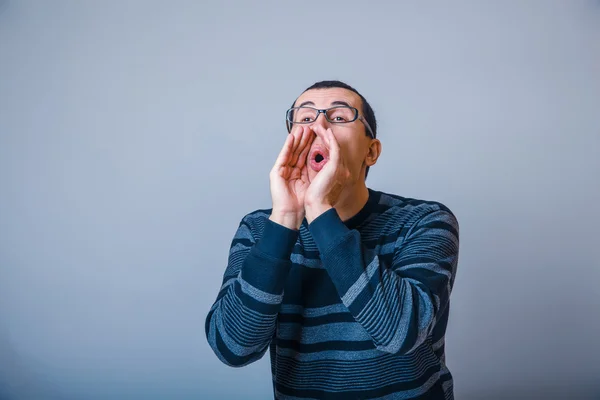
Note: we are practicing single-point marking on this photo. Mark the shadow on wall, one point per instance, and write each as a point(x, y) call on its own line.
point(16, 381)
point(548, 392)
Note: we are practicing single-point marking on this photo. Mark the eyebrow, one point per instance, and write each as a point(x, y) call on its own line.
point(340, 103)
point(306, 103)
point(333, 103)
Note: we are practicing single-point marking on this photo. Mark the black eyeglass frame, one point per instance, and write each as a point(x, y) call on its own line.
point(357, 115)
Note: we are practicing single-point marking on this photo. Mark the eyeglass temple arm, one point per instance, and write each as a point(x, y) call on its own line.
point(364, 121)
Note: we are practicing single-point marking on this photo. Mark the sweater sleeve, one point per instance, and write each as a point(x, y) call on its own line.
point(241, 323)
point(396, 302)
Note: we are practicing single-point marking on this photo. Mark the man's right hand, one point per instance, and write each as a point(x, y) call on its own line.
point(289, 178)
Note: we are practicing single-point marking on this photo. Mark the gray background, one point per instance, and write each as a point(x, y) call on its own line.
point(135, 135)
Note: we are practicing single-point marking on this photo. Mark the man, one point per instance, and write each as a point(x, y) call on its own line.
point(348, 286)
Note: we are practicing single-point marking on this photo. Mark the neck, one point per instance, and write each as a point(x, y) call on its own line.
point(352, 200)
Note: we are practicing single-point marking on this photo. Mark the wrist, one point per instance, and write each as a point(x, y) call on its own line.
point(313, 211)
point(289, 220)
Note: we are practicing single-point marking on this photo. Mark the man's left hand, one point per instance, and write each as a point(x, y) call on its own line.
point(325, 189)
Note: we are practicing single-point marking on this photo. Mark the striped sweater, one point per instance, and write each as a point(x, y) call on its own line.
point(352, 309)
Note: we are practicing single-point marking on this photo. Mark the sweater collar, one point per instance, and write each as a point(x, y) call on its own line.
point(360, 217)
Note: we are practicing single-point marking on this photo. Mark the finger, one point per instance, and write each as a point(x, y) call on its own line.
point(299, 133)
point(302, 160)
point(334, 146)
point(305, 174)
point(285, 152)
point(331, 139)
point(307, 138)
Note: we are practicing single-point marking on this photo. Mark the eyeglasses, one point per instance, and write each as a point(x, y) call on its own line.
point(335, 115)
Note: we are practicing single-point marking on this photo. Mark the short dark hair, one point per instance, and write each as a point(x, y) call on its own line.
point(367, 110)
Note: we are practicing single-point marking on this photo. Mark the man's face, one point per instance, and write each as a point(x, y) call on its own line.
point(356, 146)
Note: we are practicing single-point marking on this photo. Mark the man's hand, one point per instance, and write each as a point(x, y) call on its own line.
point(289, 178)
point(325, 189)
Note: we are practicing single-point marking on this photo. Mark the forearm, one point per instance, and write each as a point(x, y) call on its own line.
point(396, 304)
point(241, 323)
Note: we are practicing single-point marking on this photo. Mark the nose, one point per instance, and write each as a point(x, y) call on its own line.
point(322, 121)
point(319, 130)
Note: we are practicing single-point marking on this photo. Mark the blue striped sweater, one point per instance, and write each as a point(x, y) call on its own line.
point(352, 309)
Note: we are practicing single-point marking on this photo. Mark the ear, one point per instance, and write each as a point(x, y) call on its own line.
point(374, 152)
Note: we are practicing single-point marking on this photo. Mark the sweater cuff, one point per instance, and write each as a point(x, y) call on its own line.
point(327, 229)
point(277, 241)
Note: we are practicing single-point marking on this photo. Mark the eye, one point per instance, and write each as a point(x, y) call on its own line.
point(341, 114)
point(304, 115)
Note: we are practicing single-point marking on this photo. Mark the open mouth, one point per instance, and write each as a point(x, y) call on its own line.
point(318, 159)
